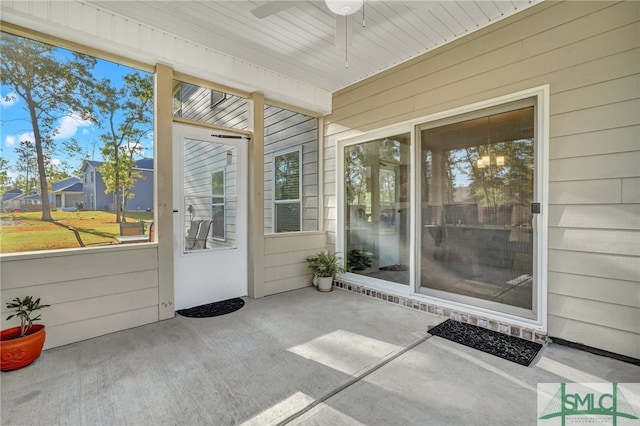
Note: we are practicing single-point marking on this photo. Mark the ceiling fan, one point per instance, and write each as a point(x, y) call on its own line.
point(343, 10)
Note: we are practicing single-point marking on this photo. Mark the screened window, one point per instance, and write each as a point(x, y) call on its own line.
point(84, 160)
point(287, 181)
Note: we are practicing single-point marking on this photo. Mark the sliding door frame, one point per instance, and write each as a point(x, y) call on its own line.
point(538, 319)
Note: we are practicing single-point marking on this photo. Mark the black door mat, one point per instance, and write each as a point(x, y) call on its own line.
point(510, 348)
point(213, 309)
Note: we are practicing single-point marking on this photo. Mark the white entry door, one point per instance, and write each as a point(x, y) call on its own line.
point(210, 215)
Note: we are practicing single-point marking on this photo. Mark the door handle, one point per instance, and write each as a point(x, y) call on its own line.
point(535, 208)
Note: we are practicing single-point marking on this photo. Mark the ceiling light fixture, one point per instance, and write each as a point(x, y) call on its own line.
point(344, 7)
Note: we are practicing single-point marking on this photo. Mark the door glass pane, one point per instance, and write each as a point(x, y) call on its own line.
point(377, 198)
point(477, 189)
point(209, 195)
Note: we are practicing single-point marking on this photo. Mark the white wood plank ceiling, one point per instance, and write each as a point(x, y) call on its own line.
point(299, 39)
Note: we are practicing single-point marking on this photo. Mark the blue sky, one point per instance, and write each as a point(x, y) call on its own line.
point(15, 125)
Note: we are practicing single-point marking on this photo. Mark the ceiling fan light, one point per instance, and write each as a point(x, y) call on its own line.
point(344, 7)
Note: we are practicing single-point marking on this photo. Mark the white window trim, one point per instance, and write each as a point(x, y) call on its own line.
point(282, 152)
point(541, 195)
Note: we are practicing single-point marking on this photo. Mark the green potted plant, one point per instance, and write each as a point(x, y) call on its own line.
point(20, 346)
point(359, 260)
point(324, 266)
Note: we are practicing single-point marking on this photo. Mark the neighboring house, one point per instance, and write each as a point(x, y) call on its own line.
point(11, 200)
point(30, 203)
point(93, 188)
point(68, 194)
point(143, 188)
point(94, 197)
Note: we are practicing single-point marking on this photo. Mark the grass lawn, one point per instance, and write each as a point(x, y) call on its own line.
point(20, 232)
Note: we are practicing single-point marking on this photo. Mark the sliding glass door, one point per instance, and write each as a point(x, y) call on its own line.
point(449, 208)
point(377, 208)
point(477, 190)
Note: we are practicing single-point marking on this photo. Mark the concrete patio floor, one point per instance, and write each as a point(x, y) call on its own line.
point(303, 358)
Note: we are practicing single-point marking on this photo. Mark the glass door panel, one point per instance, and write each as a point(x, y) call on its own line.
point(377, 208)
point(477, 188)
point(209, 189)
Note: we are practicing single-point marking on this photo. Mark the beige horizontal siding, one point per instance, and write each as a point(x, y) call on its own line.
point(472, 68)
point(596, 216)
point(618, 341)
point(98, 326)
point(623, 242)
point(600, 265)
point(620, 114)
point(81, 310)
point(589, 55)
point(606, 191)
point(599, 93)
point(609, 315)
point(88, 288)
point(285, 267)
point(91, 291)
point(609, 141)
point(631, 190)
point(616, 292)
point(85, 263)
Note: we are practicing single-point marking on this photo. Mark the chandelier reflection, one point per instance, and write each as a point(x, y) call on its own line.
point(485, 161)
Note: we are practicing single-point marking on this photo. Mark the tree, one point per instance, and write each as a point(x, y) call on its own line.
point(73, 151)
point(52, 85)
point(26, 165)
point(127, 117)
point(5, 180)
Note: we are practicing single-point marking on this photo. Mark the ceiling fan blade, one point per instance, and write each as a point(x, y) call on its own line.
point(271, 8)
point(344, 31)
point(413, 4)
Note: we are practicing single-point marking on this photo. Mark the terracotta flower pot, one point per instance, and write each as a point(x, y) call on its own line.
point(17, 352)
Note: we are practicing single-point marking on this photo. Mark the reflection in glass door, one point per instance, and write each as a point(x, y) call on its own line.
point(477, 186)
point(377, 208)
point(209, 189)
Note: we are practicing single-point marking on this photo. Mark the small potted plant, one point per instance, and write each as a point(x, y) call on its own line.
point(20, 346)
point(325, 266)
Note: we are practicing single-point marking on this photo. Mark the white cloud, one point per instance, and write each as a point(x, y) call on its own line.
point(55, 162)
point(13, 140)
point(13, 99)
point(69, 125)
point(27, 136)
